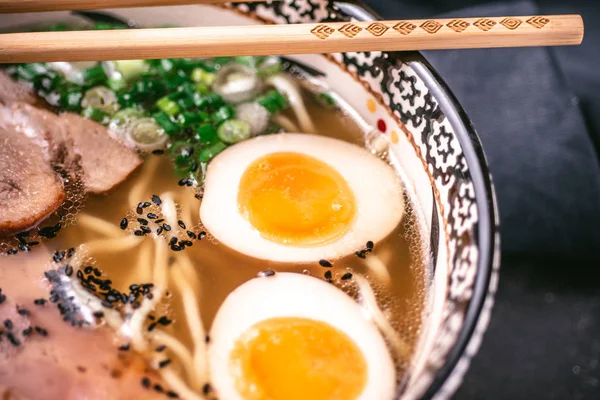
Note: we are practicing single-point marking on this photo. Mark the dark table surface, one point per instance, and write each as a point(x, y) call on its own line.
point(544, 337)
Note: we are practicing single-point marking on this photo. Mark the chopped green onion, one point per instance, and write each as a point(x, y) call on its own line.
point(202, 88)
point(174, 81)
point(188, 119)
point(181, 152)
point(96, 115)
point(28, 72)
point(223, 114)
point(94, 75)
point(327, 100)
point(206, 134)
point(149, 87)
point(233, 131)
point(269, 67)
point(146, 134)
point(170, 127)
point(101, 98)
point(116, 84)
point(186, 103)
point(126, 99)
point(108, 26)
point(274, 101)
point(211, 100)
point(199, 75)
point(207, 153)
point(57, 28)
point(46, 82)
point(131, 69)
point(124, 116)
point(71, 100)
point(168, 106)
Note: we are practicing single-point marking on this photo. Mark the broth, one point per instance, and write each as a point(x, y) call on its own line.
point(221, 269)
point(395, 268)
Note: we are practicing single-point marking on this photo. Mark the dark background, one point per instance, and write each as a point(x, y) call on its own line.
point(537, 112)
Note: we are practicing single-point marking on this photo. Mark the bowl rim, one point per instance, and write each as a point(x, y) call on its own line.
point(488, 227)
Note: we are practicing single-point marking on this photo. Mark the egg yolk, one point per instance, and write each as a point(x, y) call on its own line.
point(297, 359)
point(295, 199)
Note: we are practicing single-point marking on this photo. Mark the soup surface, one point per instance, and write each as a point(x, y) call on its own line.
point(183, 293)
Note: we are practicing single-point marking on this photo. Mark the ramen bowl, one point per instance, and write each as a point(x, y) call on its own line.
point(431, 142)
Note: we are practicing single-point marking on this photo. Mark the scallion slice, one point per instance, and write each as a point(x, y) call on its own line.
point(234, 130)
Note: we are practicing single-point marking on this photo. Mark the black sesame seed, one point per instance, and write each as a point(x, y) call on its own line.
point(325, 263)
point(12, 251)
point(23, 311)
point(146, 382)
point(112, 298)
point(207, 339)
point(97, 272)
point(57, 227)
point(34, 243)
point(58, 256)
point(176, 248)
point(158, 152)
point(370, 245)
point(160, 347)
point(346, 276)
point(24, 247)
point(206, 388)
point(156, 200)
point(142, 221)
point(164, 321)
point(159, 230)
point(8, 324)
point(361, 254)
point(134, 287)
point(70, 252)
point(2, 298)
point(172, 241)
point(135, 305)
point(98, 314)
point(201, 235)
point(146, 204)
point(151, 327)
point(21, 235)
point(159, 221)
point(149, 296)
point(68, 270)
point(171, 394)
point(39, 302)
point(191, 234)
point(167, 227)
point(139, 210)
point(181, 224)
point(145, 229)
point(124, 223)
point(15, 342)
point(124, 347)
point(138, 232)
point(79, 274)
point(158, 388)
point(187, 243)
point(54, 298)
point(106, 304)
point(328, 274)
point(266, 273)
point(41, 331)
point(27, 331)
point(151, 216)
point(88, 269)
point(164, 363)
point(183, 181)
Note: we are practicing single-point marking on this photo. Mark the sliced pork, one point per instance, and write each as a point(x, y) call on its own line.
point(29, 188)
point(11, 91)
point(51, 359)
point(105, 161)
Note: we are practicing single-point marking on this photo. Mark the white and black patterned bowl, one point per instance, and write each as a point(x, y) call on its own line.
point(433, 141)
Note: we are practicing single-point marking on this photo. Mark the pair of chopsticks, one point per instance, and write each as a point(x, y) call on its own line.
point(254, 40)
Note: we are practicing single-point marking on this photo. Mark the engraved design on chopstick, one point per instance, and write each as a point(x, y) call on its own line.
point(377, 29)
point(538, 22)
point(485, 24)
point(322, 31)
point(458, 25)
point(431, 26)
point(404, 27)
point(511, 23)
point(350, 30)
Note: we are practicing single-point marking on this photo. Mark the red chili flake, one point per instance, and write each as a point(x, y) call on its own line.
point(381, 125)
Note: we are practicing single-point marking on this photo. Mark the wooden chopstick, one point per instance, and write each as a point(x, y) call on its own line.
point(21, 6)
point(327, 37)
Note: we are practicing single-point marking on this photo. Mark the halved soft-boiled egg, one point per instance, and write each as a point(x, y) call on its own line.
point(299, 198)
point(295, 337)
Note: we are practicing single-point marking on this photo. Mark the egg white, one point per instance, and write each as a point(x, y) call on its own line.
point(377, 192)
point(297, 295)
